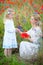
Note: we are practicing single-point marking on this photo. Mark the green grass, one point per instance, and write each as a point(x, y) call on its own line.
point(15, 58)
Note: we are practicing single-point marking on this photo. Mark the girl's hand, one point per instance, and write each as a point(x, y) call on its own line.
point(30, 39)
point(18, 30)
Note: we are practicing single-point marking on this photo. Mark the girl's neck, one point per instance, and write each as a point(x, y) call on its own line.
point(34, 26)
point(9, 18)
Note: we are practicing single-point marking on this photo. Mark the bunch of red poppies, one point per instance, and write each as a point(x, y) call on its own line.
point(24, 35)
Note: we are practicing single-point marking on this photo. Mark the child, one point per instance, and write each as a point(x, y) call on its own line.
point(30, 48)
point(9, 40)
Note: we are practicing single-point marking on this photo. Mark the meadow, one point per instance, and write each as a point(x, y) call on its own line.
point(15, 58)
point(21, 21)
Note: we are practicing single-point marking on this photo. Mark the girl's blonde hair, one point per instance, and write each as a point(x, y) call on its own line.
point(7, 12)
point(37, 18)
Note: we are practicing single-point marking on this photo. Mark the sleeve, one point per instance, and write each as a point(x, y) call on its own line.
point(37, 36)
point(35, 40)
point(39, 32)
point(29, 32)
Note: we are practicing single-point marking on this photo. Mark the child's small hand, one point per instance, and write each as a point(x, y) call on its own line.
point(18, 30)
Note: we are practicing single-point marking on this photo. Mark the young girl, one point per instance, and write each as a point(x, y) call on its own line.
point(29, 49)
point(9, 40)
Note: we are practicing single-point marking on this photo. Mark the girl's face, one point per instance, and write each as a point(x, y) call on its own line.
point(32, 20)
point(11, 15)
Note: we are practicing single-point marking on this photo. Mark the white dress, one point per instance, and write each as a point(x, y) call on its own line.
point(9, 40)
point(28, 49)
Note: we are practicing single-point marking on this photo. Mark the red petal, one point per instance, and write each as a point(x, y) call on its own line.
point(41, 8)
point(24, 35)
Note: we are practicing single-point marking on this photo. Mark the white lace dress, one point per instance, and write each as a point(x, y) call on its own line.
point(9, 39)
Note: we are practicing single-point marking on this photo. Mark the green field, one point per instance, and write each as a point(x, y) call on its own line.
point(15, 58)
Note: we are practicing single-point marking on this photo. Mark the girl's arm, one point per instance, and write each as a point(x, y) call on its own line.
point(31, 40)
point(18, 30)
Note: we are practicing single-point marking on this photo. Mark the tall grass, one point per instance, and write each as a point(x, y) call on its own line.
point(15, 59)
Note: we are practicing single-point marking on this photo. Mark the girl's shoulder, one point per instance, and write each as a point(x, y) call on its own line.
point(38, 28)
point(30, 30)
point(7, 22)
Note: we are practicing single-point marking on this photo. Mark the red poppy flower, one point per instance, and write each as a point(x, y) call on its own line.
point(2, 10)
point(24, 0)
point(41, 8)
point(10, 2)
point(30, 2)
point(7, 7)
point(24, 35)
point(2, 1)
point(37, 11)
point(40, 12)
point(35, 6)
